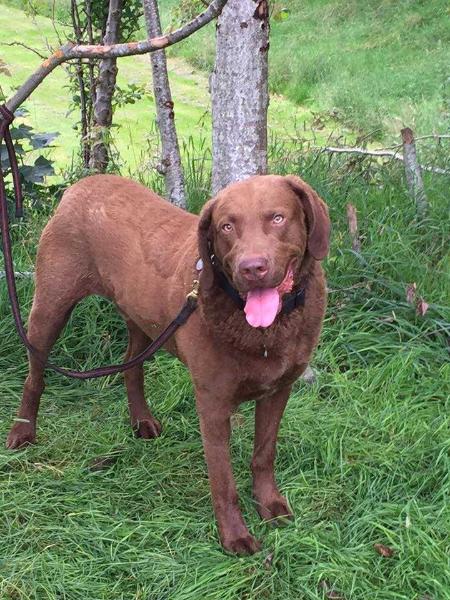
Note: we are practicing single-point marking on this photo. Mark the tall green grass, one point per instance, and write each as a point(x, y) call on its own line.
point(369, 66)
point(375, 66)
point(363, 454)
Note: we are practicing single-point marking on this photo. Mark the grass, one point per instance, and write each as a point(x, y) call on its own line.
point(372, 66)
point(363, 454)
point(91, 513)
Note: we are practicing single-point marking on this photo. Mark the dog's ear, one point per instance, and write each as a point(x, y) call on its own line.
point(204, 245)
point(317, 219)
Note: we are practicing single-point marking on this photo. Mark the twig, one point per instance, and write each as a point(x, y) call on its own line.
point(380, 154)
point(434, 136)
point(70, 51)
point(24, 46)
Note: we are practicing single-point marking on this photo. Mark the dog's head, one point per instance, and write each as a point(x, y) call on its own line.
point(259, 230)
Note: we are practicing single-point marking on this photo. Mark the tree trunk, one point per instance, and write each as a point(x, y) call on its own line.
point(239, 88)
point(85, 143)
point(106, 83)
point(170, 165)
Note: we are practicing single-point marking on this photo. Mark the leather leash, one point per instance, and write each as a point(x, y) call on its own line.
point(188, 308)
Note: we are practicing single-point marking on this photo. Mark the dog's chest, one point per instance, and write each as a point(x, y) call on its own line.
point(262, 377)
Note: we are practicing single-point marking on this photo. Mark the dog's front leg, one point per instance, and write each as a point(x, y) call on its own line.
point(215, 428)
point(268, 412)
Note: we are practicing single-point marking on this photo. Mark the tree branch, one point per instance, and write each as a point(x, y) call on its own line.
point(70, 51)
point(379, 153)
point(23, 46)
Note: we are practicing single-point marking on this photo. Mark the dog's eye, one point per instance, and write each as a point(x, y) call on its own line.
point(227, 227)
point(277, 219)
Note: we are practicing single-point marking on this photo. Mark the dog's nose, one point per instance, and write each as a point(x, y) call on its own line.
point(253, 268)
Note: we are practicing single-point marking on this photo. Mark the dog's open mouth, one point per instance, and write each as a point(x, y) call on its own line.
point(263, 304)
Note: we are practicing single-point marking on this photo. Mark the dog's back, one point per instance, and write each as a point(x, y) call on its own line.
point(105, 230)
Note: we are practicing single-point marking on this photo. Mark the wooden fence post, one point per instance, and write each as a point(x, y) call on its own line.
point(413, 172)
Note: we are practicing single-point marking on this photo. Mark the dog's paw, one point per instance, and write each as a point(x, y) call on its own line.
point(21, 434)
point(242, 545)
point(276, 511)
point(147, 428)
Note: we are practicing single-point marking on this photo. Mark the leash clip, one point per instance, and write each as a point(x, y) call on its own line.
point(193, 294)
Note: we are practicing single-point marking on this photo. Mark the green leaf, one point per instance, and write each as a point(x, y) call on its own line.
point(36, 173)
point(21, 132)
point(42, 140)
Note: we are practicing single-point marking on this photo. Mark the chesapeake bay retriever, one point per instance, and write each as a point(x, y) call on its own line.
point(261, 305)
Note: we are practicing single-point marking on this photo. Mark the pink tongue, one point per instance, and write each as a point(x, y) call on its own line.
point(262, 307)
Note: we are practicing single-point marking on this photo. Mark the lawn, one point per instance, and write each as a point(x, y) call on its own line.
point(363, 453)
point(91, 513)
point(374, 66)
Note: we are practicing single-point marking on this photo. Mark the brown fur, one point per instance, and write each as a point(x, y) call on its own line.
point(110, 236)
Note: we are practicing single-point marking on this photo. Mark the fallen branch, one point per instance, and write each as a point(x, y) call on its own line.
point(434, 136)
point(379, 154)
point(71, 51)
point(18, 274)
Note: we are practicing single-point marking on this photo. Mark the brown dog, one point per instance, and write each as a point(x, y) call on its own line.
point(260, 242)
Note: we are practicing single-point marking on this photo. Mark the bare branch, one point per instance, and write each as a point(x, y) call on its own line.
point(71, 51)
point(24, 46)
point(18, 274)
point(435, 136)
point(380, 154)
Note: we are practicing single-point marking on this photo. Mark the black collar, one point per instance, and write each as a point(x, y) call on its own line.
point(289, 302)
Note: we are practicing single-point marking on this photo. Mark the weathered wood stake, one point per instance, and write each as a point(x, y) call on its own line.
point(353, 227)
point(413, 172)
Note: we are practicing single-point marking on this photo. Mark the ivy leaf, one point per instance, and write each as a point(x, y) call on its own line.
point(36, 173)
point(21, 132)
point(42, 140)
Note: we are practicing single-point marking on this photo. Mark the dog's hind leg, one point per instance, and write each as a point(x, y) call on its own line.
point(143, 422)
point(47, 318)
point(62, 280)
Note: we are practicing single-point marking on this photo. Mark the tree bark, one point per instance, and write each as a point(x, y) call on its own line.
point(170, 165)
point(239, 88)
point(106, 83)
point(84, 124)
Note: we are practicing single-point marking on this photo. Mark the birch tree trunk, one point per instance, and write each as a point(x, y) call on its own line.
point(105, 86)
point(170, 165)
point(239, 88)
